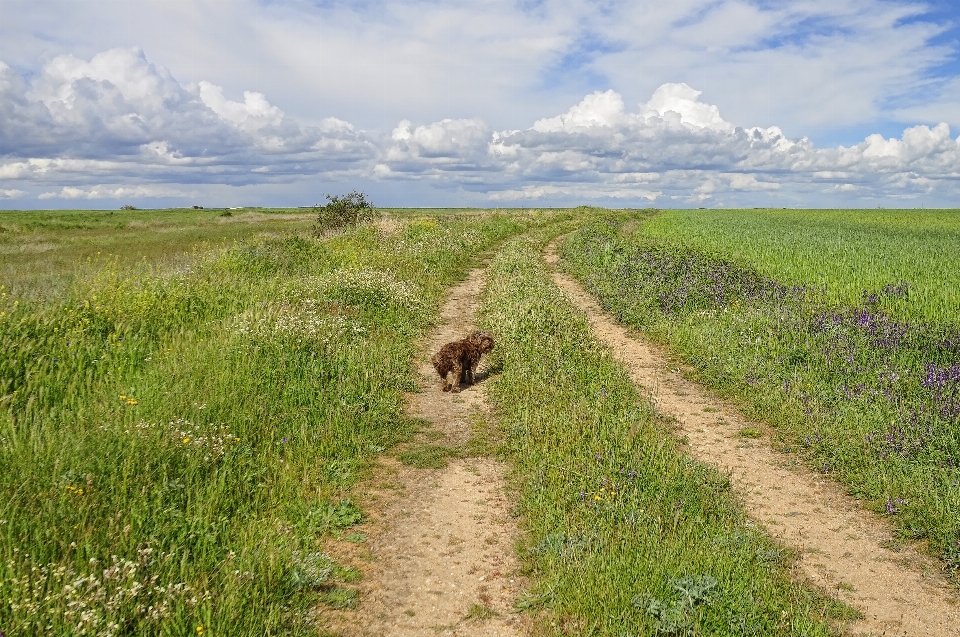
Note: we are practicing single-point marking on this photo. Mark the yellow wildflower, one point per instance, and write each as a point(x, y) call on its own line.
point(186, 440)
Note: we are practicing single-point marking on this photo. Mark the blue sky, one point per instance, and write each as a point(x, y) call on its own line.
point(494, 102)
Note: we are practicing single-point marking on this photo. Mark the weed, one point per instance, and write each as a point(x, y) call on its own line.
point(327, 517)
point(346, 210)
point(485, 437)
point(478, 612)
point(340, 597)
point(310, 570)
point(427, 456)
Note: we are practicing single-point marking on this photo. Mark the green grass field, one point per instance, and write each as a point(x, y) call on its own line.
point(841, 329)
point(184, 416)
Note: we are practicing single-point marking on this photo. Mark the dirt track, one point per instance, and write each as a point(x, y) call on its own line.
point(441, 544)
point(841, 546)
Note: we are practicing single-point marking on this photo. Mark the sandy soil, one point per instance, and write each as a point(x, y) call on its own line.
point(842, 548)
point(440, 550)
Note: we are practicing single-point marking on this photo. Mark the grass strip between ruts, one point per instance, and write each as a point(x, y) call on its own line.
point(624, 533)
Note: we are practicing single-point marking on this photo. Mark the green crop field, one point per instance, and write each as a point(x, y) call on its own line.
point(841, 329)
point(842, 252)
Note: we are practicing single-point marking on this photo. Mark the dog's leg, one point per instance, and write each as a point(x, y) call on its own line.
point(456, 373)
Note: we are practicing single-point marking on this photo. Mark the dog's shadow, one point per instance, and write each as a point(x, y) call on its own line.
point(494, 368)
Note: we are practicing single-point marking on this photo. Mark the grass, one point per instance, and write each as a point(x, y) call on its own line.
point(427, 456)
point(624, 534)
point(803, 320)
point(176, 438)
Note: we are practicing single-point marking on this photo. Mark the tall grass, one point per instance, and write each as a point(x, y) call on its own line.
point(863, 394)
point(174, 442)
point(624, 533)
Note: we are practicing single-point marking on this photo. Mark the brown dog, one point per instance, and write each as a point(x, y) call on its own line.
point(460, 358)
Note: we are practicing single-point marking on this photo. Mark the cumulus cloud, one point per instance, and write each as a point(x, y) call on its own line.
point(673, 147)
point(117, 192)
point(117, 126)
point(118, 113)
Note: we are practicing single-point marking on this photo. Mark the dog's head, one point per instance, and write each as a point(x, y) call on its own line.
point(483, 341)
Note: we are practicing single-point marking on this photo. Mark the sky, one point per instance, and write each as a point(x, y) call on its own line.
point(688, 103)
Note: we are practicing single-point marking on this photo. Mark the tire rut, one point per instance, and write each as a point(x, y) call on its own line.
point(842, 548)
point(441, 541)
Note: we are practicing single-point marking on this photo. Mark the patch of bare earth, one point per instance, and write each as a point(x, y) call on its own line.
point(843, 549)
point(439, 558)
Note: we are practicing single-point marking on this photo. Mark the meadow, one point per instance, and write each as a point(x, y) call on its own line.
point(182, 421)
point(838, 329)
point(185, 414)
point(42, 251)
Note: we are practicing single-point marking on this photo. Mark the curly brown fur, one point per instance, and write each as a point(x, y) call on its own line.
point(458, 360)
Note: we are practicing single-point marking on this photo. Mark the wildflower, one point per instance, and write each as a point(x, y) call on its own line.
point(131, 401)
point(122, 397)
point(596, 497)
point(199, 630)
point(186, 440)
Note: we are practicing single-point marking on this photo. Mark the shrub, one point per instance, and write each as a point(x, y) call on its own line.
point(344, 211)
point(128, 207)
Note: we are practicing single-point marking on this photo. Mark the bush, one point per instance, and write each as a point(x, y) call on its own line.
point(343, 211)
point(128, 207)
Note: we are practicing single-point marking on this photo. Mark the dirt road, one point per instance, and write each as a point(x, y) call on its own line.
point(842, 547)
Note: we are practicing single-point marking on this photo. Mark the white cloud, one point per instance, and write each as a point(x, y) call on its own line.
point(683, 101)
point(251, 115)
point(598, 109)
point(572, 192)
point(457, 145)
point(598, 149)
point(812, 67)
point(121, 112)
point(11, 193)
point(118, 126)
point(749, 182)
point(148, 191)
